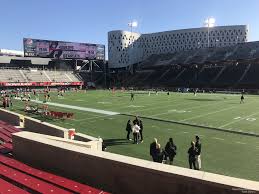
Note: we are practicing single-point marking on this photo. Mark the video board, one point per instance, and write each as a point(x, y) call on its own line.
point(62, 50)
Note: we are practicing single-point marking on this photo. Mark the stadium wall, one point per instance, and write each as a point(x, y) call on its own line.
point(117, 173)
point(37, 126)
point(10, 117)
point(127, 48)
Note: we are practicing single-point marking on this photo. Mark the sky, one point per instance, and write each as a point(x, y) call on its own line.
point(89, 21)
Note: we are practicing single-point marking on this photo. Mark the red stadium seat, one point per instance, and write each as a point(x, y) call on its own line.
point(30, 182)
point(54, 179)
point(8, 146)
point(5, 138)
point(10, 128)
point(6, 187)
point(5, 132)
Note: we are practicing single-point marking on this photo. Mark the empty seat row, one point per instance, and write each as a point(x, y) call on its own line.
point(48, 177)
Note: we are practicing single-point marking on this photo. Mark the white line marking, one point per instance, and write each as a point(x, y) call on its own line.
point(238, 120)
point(80, 100)
point(185, 132)
point(198, 116)
point(159, 107)
point(96, 117)
point(208, 113)
point(218, 138)
point(240, 142)
point(188, 109)
point(134, 106)
point(79, 108)
point(104, 102)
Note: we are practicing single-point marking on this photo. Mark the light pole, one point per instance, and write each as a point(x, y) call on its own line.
point(132, 24)
point(209, 23)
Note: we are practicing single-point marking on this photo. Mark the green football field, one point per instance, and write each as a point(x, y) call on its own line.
point(224, 153)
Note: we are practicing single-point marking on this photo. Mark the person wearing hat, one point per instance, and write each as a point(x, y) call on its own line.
point(198, 153)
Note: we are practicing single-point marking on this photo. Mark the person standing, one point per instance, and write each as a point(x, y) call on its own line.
point(170, 150)
point(135, 131)
point(132, 96)
point(141, 130)
point(242, 99)
point(137, 120)
point(192, 153)
point(128, 129)
point(198, 153)
point(154, 150)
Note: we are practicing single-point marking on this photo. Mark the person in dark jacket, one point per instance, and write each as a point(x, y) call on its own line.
point(128, 129)
point(192, 153)
point(136, 121)
point(154, 150)
point(198, 153)
point(170, 150)
point(141, 130)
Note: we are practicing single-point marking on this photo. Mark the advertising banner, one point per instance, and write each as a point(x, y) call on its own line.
point(9, 84)
point(62, 50)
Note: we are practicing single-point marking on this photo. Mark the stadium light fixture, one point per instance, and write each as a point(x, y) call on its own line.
point(133, 24)
point(209, 23)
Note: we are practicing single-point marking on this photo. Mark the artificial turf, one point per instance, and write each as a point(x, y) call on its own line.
point(224, 153)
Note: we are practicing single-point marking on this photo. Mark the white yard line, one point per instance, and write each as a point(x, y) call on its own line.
point(159, 107)
point(218, 138)
point(188, 109)
point(237, 120)
point(238, 142)
point(78, 108)
point(203, 115)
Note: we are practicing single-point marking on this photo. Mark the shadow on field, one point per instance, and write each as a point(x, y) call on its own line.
point(202, 99)
point(112, 142)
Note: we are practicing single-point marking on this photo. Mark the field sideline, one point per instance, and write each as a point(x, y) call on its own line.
point(224, 153)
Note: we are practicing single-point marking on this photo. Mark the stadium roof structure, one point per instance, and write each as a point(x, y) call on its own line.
point(244, 52)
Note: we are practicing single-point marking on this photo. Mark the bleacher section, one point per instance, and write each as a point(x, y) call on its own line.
point(17, 177)
point(233, 67)
point(34, 75)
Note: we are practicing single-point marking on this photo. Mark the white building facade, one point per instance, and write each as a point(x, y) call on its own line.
point(127, 48)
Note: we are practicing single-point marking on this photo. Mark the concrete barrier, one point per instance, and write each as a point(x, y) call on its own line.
point(86, 138)
point(120, 174)
point(10, 117)
point(36, 126)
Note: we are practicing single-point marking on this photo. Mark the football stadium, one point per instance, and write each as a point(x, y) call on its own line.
point(173, 111)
